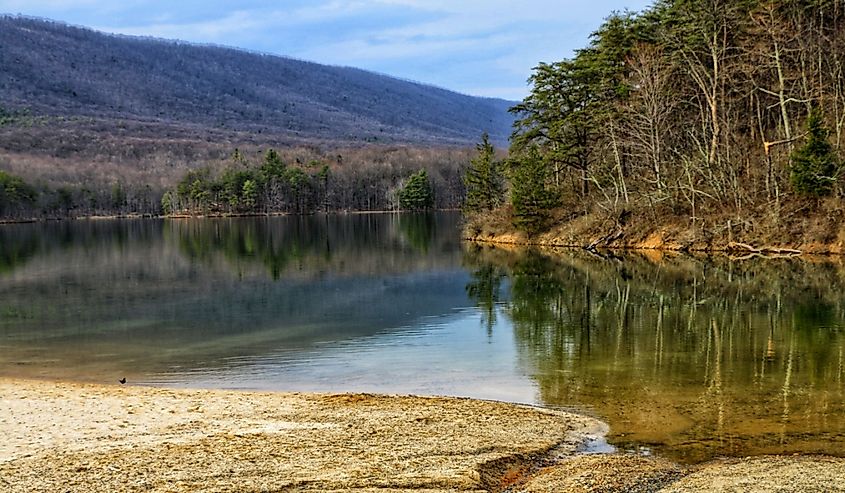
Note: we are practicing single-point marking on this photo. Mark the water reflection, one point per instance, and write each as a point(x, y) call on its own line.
point(86, 299)
point(367, 243)
point(485, 290)
point(688, 357)
point(692, 357)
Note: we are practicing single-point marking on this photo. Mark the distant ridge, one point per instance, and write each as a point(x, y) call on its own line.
point(52, 68)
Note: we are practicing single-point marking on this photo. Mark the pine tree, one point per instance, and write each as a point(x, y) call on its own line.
point(531, 198)
point(273, 168)
point(483, 180)
point(14, 193)
point(416, 195)
point(249, 194)
point(167, 203)
point(814, 165)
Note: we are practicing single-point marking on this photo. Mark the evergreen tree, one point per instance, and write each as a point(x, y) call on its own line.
point(118, 197)
point(273, 168)
point(323, 180)
point(814, 165)
point(249, 194)
point(483, 180)
point(416, 195)
point(560, 116)
point(299, 184)
point(14, 193)
point(231, 183)
point(167, 203)
point(531, 198)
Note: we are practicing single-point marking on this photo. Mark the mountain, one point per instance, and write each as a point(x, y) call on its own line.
point(53, 69)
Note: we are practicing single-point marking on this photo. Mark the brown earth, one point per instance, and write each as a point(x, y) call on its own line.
point(816, 231)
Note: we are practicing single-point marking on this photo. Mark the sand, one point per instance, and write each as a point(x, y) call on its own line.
point(81, 437)
point(87, 437)
point(632, 474)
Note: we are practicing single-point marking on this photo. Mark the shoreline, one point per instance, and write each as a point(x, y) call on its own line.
point(798, 232)
point(77, 436)
point(207, 216)
point(737, 250)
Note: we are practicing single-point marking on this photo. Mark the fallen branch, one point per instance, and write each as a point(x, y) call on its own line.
point(741, 247)
point(750, 251)
point(780, 251)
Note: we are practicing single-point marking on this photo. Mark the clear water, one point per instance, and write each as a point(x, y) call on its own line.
point(685, 357)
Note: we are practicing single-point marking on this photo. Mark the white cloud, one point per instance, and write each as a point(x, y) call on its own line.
point(446, 42)
point(208, 31)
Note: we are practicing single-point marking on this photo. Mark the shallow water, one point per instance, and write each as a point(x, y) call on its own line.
point(684, 357)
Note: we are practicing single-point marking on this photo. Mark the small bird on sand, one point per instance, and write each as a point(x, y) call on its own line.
point(122, 380)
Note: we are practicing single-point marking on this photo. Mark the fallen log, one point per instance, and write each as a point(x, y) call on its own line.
point(780, 251)
point(741, 247)
point(736, 247)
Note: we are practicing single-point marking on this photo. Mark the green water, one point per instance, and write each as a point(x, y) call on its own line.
point(689, 357)
point(684, 357)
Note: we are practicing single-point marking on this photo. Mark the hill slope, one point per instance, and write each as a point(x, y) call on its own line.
point(54, 69)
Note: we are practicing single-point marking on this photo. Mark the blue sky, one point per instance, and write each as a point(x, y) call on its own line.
point(479, 47)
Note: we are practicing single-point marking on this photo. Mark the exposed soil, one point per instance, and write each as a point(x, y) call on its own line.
point(797, 231)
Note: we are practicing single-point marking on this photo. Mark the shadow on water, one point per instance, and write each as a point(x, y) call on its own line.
point(688, 357)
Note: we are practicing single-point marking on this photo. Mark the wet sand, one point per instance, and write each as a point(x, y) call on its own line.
point(89, 437)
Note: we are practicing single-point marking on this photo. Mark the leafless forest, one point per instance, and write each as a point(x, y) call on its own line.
point(92, 123)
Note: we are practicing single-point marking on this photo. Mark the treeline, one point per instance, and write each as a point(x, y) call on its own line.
point(21, 200)
point(294, 180)
point(727, 117)
point(276, 186)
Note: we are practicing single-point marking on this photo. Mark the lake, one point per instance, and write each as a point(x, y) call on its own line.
point(682, 356)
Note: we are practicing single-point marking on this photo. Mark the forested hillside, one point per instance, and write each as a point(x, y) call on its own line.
point(691, 124)
point(49, 68)
point(97, 124)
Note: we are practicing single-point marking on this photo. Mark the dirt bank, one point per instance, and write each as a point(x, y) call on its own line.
point(82, 437)
point(810, 234)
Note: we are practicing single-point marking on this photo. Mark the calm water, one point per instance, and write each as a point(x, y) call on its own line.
point(685, 357)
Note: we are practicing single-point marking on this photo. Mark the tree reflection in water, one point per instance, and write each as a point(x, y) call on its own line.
point(695, 357)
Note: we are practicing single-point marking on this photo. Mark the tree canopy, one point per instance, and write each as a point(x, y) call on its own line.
point(416, 195)
point(814, 165)
point(687, 111)
point(483, 179)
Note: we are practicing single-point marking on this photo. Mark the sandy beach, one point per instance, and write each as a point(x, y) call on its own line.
point(89, 437)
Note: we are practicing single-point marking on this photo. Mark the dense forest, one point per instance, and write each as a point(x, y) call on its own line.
point(294, 180)
point(275, 186)
point(698, 121)
point(96, 124)
point(54, 69)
